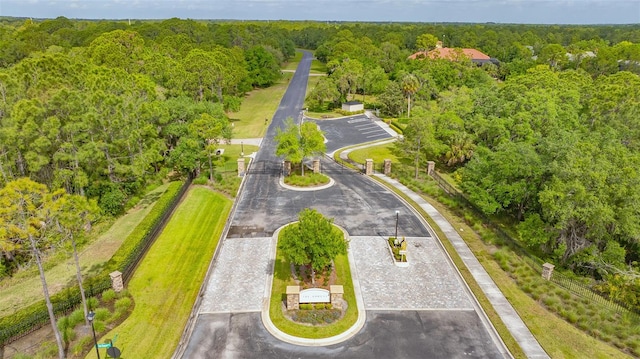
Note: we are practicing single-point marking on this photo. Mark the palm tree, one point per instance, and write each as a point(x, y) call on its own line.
point(410, 85)
point(461, 149)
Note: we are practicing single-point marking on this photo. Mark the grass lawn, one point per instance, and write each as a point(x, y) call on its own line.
point(318, 67)
point(25, 288)
point(282, 278)
point(257, 106)
point(377, 153)
point(166, 283)
point(293, 62)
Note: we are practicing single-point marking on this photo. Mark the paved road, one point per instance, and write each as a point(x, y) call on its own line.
point(423, 311)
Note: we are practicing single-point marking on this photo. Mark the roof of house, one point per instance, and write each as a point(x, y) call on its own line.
point(450, 54)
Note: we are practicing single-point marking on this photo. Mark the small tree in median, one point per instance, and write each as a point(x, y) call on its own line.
point(296, 143)
point(313, 241)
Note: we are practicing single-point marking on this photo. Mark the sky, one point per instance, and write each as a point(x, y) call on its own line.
point(476, 11)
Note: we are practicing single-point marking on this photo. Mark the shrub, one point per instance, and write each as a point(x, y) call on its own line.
point(306, 306)
point(108, 295)
point(102, 314)
point(76, 317)
point(92, 303)
point(123, 304)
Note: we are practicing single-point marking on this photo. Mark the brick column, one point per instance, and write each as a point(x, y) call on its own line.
point(387, 167)
point(431, 166)
point(337, 292)
point(547, 271)
point(316, 166)
point(368, 169)
point(240, 167)
point(287, 168)
point(293, 297)
point(116, 281)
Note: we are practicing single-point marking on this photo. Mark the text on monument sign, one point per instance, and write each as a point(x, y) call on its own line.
point(315, 295)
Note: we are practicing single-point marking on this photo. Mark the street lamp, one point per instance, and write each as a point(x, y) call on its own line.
point(241, 149)
point(397, 213)
point(90, 317)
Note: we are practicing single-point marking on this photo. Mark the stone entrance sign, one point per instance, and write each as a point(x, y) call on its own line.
point(295, 296)
point(315, 295)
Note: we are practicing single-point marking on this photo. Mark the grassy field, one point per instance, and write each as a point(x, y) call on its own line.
point(166, 283)
point(25, 288)
point(377, 153)
point(257, 106)
point(317, 68)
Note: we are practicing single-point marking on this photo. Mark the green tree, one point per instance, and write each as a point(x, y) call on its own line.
point(426, 42)
point(211, 130)
point(263, 67)
point(313, 241)
point(29, 218)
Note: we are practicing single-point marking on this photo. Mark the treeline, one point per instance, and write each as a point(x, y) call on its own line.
point(101, 109)
point(548, 140)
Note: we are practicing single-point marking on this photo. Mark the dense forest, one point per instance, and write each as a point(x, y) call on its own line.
point(548, 139)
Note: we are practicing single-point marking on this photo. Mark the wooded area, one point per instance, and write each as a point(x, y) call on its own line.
point(548, 141)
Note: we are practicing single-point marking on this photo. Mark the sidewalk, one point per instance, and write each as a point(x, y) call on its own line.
point(509, 316)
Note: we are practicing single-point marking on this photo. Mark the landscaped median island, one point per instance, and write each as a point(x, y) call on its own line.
point(312, 264)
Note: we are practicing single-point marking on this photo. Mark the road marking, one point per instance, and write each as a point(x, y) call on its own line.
point(358, 120)
point(372, 131)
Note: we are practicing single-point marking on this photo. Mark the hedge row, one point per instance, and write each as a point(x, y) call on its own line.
point(127, 256)
point(30, 318)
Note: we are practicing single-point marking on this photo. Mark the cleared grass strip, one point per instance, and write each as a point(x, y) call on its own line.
point(166, 283)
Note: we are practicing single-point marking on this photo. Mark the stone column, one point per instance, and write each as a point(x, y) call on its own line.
point(316, 166)
point(293, 297)
point(116, 281)
point(240, 167)
point(368, 169)
point(547, 271)
point(387, 167)
point(287, 168)
point(337, 292)
point(431, 166)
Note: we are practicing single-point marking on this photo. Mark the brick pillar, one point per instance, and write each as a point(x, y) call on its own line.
point(240, 167)
point(287, 168)
point(547, 271)
point(116, 281)
point(387, 167)
point(316, 166)
point(293, 297)
point(368, 169)
point(431, 166)
point(337, 292)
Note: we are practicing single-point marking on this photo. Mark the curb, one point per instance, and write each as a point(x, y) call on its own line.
point(288, 338)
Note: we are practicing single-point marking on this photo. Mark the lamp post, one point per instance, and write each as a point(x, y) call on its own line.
point(397, 213)
point(90, 317)
point(241, 149)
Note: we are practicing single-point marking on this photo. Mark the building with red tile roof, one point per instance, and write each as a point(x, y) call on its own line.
point(454, 54)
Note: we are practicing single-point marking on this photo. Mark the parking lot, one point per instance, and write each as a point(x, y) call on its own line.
point(348, 130)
